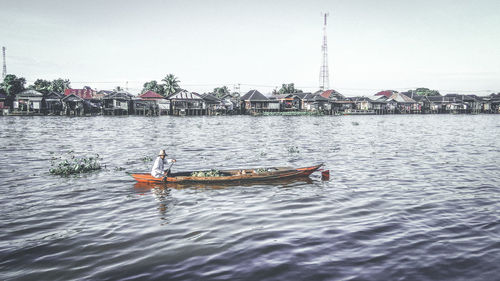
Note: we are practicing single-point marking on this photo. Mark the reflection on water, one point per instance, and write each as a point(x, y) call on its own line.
point(409, 197)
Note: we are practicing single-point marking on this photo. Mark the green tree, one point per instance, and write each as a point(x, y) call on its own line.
point(42, 86)
point(12, 85)
point(219, 92)
point(171, 84)
point(288, 89)
point(59, 85)
point(425, 92)
point(153, 86)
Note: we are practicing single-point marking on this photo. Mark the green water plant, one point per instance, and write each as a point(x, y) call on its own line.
point(261, 170)
point(293, 149)
point(74, 165)
point(146, 158)
point(204, 174)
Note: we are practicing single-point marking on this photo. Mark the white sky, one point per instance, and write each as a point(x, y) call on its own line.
point(451, 46)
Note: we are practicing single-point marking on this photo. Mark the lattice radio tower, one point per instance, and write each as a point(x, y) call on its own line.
point(4, 68)
point(324, 80)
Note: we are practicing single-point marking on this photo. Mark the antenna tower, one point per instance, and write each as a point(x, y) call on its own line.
point(4, 69)
point(324, 80)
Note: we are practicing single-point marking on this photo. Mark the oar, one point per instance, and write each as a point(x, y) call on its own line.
point(168, 170)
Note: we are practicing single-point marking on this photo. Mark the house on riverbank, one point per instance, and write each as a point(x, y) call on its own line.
point(316, 103)
point(53, 103)
point(28, 102)
point(148, 103)
point(117, 103)
point(81, 102)
point(213, 105)
point(73, 105)
point(186, 103)
point(255, 102)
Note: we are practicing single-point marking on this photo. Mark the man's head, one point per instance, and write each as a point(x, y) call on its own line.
point(162, 154)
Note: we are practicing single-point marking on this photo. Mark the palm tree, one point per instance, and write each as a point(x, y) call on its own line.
point(171, 84)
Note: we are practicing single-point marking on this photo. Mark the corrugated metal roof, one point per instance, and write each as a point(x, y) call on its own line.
point(185, 95)
point(30, 93)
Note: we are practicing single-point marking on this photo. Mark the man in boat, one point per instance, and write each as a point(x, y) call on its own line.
point(159, 165)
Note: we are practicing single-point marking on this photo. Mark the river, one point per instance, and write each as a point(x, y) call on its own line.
point(411, 197)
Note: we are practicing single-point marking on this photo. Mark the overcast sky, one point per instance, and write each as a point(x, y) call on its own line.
point(451, 46)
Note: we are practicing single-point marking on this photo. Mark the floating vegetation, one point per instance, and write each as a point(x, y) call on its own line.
point(355, 123)
point(261, 170)
point(293, 149)
point(146, 159)
point(74, 165)
point(205, 174)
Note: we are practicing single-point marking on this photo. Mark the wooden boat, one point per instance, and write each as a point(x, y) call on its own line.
point(236, 175)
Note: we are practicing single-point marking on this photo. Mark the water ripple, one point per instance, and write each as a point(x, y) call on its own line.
point(410, 198)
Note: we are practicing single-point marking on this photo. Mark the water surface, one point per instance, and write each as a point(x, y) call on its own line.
point(410, 198)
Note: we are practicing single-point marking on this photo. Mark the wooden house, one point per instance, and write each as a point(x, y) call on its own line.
point(399, 103)
point(186, 103)
point(53, 103)
point(316, 102)
point(379, 106)
point(340, 106)
point(229, 103)
point(29, 102)
point(92, 101)
point(286, 102)
point(117, 103)
point(494, 103)
point(363, 103)
point(471, 104)
point(213, 105)
point(254, 102)
point(147, 104)
point(73, 105)
point(490, 104)
point(437, 104)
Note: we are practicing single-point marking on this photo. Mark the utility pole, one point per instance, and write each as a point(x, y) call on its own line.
point(324, 80)
point(4, 69)
point(236, 88)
